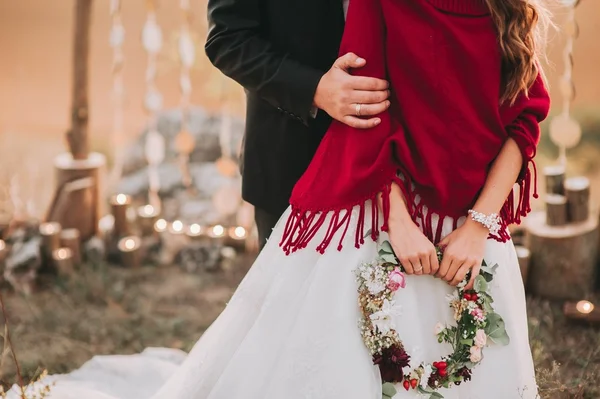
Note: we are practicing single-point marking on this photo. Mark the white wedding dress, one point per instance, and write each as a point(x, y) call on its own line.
point(290, 331)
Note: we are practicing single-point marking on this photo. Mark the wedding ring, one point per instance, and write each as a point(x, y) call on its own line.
point(419, 269)
point(358, 106)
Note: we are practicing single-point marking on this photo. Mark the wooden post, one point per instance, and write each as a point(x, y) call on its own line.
point(555, 179)
point(577, 191)
point(556, 210)
point(77, 136)
point(563, 258)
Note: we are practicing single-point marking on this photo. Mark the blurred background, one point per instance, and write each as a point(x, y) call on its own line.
point(167, 126)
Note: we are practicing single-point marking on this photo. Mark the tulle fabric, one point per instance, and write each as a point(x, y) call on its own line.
point(290, 331)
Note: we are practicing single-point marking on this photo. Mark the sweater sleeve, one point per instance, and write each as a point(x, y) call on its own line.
point(524, 117)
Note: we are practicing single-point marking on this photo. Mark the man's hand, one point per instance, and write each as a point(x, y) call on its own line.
point(341, 94)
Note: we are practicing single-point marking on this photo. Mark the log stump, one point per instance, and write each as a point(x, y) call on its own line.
point(556, 210)
point(577, 191)
point(77, 200)
point(563, 258)
point(555, 179)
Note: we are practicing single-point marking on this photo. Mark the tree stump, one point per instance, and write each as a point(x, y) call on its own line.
point(556, 210)
point(77, 200)
point(577, 191)
point(555, 179)
point(563, 258)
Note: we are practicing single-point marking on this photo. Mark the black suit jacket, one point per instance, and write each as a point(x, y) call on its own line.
point(278, 50)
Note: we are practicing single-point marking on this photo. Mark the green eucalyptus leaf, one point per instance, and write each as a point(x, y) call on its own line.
point(386, 247)
point(496, 329)
point(480, 284)
point(384, 396)
point(436, 395)
point(389, 389)
point(466, 341)
point(368, 233)
point(390, 258)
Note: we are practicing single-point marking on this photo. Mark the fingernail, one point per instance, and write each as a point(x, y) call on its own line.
point(377, 122)
point(387, 104)
point(360, 60)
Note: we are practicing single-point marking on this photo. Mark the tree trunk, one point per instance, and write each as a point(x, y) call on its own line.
point(556, 210)
point(577, 191)
point(563, 258)
point(77, 136)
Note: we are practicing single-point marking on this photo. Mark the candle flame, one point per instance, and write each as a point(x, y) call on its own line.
point(62, 253)
point(160, 225)
point(2, 245)
point(240, 232)
point(121, 199)
point(218, 230)
point(129, 244)
point(48, 228)
point(148, 210)
point(177, 226)
point(585, 307)
point(195, 228)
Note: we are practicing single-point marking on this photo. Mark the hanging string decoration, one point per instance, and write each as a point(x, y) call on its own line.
point(116, 41)
point(184, 141)
point(565, 131)
point(152, 41)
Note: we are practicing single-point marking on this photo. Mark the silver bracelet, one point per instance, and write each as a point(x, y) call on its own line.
point(491, 222)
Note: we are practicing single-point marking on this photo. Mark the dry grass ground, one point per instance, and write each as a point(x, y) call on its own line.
point(107, 310)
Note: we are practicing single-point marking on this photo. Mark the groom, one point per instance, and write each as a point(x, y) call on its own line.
point(283, 52)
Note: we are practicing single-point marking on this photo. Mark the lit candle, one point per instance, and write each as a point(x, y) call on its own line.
point(161, 225)
point(195, 231)
point(176, 227)
point(69, 238)
point(119, 204)
point(147, 218)
point(217, 231)
point(129, 247)
point(585, 307)
point(50, 233)
point(63, 261)
point(3, 251)
point(238, 233)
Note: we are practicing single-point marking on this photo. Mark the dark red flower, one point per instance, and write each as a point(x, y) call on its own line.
point(391, 362)
point(465, 373)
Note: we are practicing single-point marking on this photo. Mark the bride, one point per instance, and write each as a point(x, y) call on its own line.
point(437, 171)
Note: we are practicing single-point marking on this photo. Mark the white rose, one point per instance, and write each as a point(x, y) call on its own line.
point(480, 338)
point(475, 354)
point(439, 327)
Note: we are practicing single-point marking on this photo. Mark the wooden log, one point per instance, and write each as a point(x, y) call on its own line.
point(556, 210)
point(577, 191)
point(584, 311)
point(524, 256)
point(70, 238)
point(563, 258)
point(555, 179)
point(77, 136)
point(77, 202)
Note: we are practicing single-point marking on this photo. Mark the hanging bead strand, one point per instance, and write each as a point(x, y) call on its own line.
point(184, 141)
point(565, 131)
point(155, 144)
point(116, 41)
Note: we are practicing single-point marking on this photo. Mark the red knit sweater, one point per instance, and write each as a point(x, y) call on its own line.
point(443, 130)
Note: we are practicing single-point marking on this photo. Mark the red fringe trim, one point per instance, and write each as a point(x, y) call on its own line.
point(302, 226)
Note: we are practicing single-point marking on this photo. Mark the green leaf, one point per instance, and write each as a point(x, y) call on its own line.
point(496, 329)
point(390, 258)
point(368, 233)
point(386, 247)
point(480, 284)
point(436, 395)
point(388, 389)
point(466, 341)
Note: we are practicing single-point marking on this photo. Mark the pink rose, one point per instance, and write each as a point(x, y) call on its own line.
point(475, 354)
point(396, 279)
point(480, 338)
point(477, 313)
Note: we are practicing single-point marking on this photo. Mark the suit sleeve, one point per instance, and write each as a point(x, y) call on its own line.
point(525, 116)
point(235, 46)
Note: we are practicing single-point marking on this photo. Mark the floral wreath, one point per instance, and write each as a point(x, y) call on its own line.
point(475, 319)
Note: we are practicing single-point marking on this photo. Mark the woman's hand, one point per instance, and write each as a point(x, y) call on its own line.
point(414, 250)
point(464, 249)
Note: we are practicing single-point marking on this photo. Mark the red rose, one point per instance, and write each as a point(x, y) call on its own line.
point(391, 362)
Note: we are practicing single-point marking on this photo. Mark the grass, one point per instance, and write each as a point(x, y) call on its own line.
point(107, 310)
